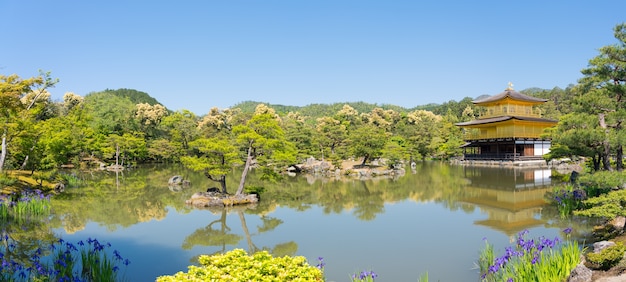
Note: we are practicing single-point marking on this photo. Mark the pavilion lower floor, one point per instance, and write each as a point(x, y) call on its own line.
point(505, 149)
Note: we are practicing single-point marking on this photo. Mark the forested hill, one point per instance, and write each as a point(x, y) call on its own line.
point(557, 97)
point(453, 107)
point(316, 110)
point(321, 110)
point(135, 96)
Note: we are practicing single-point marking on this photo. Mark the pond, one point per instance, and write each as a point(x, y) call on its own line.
point(433, 219)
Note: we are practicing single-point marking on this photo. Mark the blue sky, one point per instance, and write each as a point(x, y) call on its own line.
point(197, 55)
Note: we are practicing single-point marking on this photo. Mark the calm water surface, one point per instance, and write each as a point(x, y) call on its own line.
point(431, 220)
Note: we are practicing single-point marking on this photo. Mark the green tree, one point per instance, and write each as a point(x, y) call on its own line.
point(395, 150)
point(604, 85)
point(300, 133)
point(215, 157)
point(181, 127)
point(367, 142)
point(577, 134)
point(112, 114)
point(14, 111)
point(427, 128)
point(331, 135)
point(126, 147)
point(265, 143)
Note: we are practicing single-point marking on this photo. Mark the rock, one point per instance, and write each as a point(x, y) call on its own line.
point(211, 199)
point(599, 246)
point(618, 223)
point(620, 278)
point(59, 187)
point(581, 273)
point(175, 180)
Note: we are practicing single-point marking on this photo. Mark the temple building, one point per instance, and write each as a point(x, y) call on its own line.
point(508, 128)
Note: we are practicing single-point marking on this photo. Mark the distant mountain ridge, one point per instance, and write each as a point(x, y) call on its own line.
point(320, 110)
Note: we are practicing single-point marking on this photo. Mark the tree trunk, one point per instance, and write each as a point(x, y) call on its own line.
point(619, 158)
point(3, 149)
point(364, 160)
point(221, 180)
point(596, 162)
point(25, 162)
point(245, 170)
point(606, 153)
point(251, 247)
point(223, 184)
point(117, 155)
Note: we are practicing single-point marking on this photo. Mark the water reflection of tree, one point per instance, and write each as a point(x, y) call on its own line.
point(220, 235)
point(368, 203)
point(210, 236)
point(141, 195)
point(24, 240)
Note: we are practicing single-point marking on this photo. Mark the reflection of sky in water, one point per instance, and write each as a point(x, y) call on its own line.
point(401, 243)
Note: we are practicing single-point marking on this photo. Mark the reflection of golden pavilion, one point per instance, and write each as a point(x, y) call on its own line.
point(511, 197)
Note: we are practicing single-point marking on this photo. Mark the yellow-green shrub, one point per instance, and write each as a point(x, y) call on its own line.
point(237, 265)
point(608, 257)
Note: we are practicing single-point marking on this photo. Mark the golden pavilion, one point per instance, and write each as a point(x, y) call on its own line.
point(508, 128)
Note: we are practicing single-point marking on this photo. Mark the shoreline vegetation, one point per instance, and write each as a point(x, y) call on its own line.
point(572, 199)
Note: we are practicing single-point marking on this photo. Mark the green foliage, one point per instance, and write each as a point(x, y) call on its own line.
point(608, 257)
point(601, 182)
point(114, 114)
point(395, 151)
point(367, 142)
point(606, 206)
point(70, 180)
point(265, 142)
point(6, 181)
point(593, 128)
point(135, 96)
point(237, 265)
point(254, 190)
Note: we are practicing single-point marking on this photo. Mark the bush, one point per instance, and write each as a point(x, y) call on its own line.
point(237, 265)
point(602, 182)
point(607, 206)
point(607, 258)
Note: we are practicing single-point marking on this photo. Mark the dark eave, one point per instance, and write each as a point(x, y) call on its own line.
point(510, 94)
point(504, 118)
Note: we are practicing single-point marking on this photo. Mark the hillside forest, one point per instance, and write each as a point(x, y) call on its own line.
point(128, 127)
